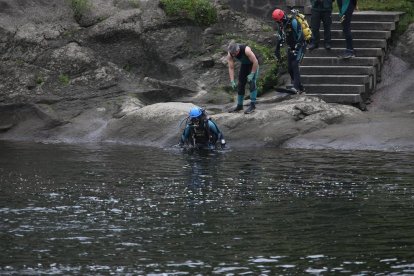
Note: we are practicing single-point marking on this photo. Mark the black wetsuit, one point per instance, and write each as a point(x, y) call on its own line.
point(291, 30)
point(245, 70)
point(205, 134)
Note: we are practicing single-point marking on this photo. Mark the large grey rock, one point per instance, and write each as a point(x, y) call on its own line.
point(56, 14)
point(388, 126)
point(383, 132)
point(405, 45)
point(128, 120)
point(152, 125)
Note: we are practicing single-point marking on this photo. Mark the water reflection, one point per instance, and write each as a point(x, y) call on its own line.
point(125, 210)
point(203, 167)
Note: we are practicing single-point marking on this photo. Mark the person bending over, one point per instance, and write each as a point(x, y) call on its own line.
point(290, 32)
point(248, 73)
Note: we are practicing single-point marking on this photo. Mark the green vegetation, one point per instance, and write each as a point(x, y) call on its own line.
point(269, 68)
point(20, 61)
point(201, 12)
point(64, 79)
point(267, 28)
point(270, 78)
point(68, 33)
point(79, 8)
point(406, 6)
point(134, 3)
point(39, 80)
point(127, 67)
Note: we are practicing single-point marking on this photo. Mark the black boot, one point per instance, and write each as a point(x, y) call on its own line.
point(237, 109)
point(251, 108)
point(313, 46)
point(347, 55)
point(302, 90)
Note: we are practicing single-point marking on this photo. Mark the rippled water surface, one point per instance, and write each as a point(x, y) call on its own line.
point(105, 209)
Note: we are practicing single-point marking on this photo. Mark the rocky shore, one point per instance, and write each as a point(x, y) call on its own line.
point(126, 73)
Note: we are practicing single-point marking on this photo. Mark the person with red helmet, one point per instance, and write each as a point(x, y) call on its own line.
point(290, 32)
point(278, 15)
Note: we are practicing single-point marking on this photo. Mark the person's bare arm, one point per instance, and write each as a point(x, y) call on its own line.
point(252, 58)
point(230, 63)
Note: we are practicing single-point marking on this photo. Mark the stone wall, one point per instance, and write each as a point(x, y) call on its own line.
point(264, 8)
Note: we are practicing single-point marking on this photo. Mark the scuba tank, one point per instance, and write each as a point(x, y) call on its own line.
point(199, 134)
point(307, 32)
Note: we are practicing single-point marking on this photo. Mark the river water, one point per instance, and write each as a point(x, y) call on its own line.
point(127, 210)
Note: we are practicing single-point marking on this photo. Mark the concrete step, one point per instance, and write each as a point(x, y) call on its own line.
point(366, 80)
point(337, 79)
point(360, 34)
point(339, 98)
point(334, 52)
point(337, 70)
point(366, 25)
point(334, 61)
point(353, 80)
point(374, 16)
point(358, 43)
point(335, 88)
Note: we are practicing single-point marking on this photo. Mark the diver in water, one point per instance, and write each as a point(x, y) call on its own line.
point(201, 131)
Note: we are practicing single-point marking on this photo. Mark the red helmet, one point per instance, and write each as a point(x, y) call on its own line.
point(278, 15)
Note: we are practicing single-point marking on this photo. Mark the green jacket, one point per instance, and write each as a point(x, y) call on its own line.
point(322, 5)
point(344, 4)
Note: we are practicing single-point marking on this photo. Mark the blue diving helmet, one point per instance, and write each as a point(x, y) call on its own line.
point(195, 112)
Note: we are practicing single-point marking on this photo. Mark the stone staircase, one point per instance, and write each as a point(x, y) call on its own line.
point(350, 81)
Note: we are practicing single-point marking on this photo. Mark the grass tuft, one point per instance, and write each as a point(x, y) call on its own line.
point(201, 12)
point(79, 8)
point(64, 79)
